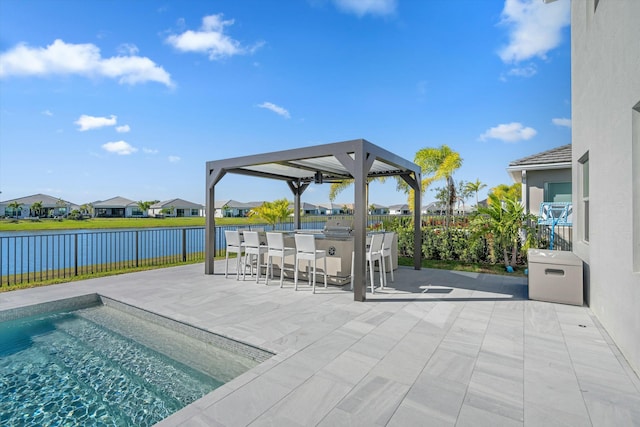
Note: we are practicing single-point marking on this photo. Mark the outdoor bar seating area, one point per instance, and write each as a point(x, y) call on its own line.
point(301, 255)
point(345, 251)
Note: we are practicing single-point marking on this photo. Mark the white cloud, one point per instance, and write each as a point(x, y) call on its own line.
point(526, 71)
point(276, 109)
point(363, 7)
point(174, 159)
point(121, 148)
point(90, 122)
point(510, 132)
point(47, 113)
point(210, 39)
point(60, 58)
point(129, 49)
point(149, 151)
point(535, 28)
point(562, 122)
point(123, 129)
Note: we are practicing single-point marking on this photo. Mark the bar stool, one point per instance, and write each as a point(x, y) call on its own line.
point(387, 243)
point(306, 250)
point(276, 248)
point(234, 245)
point(373, 254)
point(253, 248)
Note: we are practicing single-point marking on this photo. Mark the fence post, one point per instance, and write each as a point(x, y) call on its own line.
point(184, 245)
point(137, 248)
point(75, 254)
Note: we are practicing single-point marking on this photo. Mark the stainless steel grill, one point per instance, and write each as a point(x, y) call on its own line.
point(337, 228)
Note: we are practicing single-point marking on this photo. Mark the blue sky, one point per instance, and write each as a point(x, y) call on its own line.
point(119, 98)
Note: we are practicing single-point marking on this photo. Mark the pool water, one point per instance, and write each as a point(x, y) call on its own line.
point(101, 366)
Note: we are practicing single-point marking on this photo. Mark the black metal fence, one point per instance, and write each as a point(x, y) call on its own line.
point(28, 258)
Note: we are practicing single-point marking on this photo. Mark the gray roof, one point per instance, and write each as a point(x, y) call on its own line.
point(176, 203)
point(234, 204)
point(116, 202)
point(47, 201)
point(555, 155)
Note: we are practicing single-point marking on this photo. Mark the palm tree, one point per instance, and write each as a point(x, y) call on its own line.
point(436, 164)
point(144, 207)
point(504, 191)
point(36, 207)
point(61, 207)
point(14, 206)
point(475, 187)
point(273, 212)
point(87, 209)
point(502, 221)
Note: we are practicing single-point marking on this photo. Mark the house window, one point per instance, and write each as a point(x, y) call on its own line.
point(583, 194)
point(136, 212)
point(194, 212)
point(557, 192)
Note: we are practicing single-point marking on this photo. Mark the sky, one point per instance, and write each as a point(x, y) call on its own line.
point(101, 98)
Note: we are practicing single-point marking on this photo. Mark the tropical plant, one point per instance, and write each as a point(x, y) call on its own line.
point(504, 191)
point(505, 223)
point(273, 212)
point(14, 206)
point(436, 164)
point(61, 207)
point(36, 207)
point(144, 206)
point(167, 211)
point(226, 210)
point(475, 187)
point(87, 209)
point(463, 194)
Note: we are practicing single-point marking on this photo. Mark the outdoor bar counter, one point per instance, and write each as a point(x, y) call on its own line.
point(339, 251)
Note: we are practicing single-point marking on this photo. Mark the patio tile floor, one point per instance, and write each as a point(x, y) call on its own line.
point(435, 348)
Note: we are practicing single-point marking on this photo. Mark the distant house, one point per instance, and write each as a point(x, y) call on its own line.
point(234, 208)
point(310, 209)
point(375, 209)
point(545, 177)
point(434, 208)
point(437, 208)
point(116, 207)
point(334, 209)
point(399, 210)
point(50, 207)
point(176, 208)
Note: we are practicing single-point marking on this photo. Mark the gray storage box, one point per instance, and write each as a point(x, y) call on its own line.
point(555, 276)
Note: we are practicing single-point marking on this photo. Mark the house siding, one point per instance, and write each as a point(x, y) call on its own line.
point(536, 180)
point(605, 88)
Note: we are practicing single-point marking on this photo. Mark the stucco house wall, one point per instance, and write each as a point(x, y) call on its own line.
point(606, 163)
point(536, 180)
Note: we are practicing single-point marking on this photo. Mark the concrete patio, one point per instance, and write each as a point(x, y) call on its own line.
point(439, 348)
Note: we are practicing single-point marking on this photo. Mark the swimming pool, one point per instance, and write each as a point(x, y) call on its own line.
point(100, 365)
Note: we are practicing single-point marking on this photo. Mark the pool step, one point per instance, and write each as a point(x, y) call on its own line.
point(140, 362)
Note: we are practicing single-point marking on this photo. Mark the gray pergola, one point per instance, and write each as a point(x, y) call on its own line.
point(357, 159)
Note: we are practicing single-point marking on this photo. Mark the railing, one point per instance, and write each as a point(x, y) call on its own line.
point(42, 257)
point(31, 258)
point(28, 258)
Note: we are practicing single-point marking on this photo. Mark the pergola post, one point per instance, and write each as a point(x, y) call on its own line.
point(297, 188)
point(212, 178)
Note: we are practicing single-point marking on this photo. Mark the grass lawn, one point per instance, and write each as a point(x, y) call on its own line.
point(463, 266)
